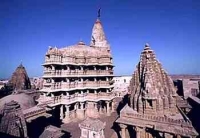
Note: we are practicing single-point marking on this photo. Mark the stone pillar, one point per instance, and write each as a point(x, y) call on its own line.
point(108, 108)
point(82, 104)
point(107, 91)
point(61, 112)
point(52, 95)
point(140, 132)
point(167, 135)
point(76, 106)
point(178, 136)
point(67, 117)
point(95, 105)
point(53, 68)
point(123, 130)
point(137, 130)
point(113, 106)
point(95, 91)
point(92, 110)
point(100, 109)
point(96, 108)
point(148, 135)
point(81, 112)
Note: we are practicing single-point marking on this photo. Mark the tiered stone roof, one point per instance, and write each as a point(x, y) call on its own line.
point(98, 38)
point(13, 121)
point(79, 50)
point(150, 85)
point(20, 79)
point(92, 124)
point(153, 99)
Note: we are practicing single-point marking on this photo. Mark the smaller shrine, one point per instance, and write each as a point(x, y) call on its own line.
point(13, 122)
point(92, 128)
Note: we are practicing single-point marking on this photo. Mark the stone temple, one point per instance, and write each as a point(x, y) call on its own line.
point(152, 110)
point(12, 121)
point(20, 79)
point(78, 78)
point(92, 128)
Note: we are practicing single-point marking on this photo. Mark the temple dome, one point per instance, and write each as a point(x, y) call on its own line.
point(25, 101)
point(82, 50)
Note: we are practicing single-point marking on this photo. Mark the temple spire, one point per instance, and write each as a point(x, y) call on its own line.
point(153, 82)
point(98, 38)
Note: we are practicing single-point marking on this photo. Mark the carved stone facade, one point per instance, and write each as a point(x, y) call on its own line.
point(78, 78)
point(152, 109)
point(13, 121)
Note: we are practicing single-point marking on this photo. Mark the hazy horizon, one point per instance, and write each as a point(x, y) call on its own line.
point(28, 28)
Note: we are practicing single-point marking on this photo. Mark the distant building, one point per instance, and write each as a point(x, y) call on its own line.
point(152, 110)
point(121, 84)
point(78, 78)
point(92, 128)
point(188, 86)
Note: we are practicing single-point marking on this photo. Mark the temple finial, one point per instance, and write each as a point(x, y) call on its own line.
point(147, 45)
point(99, 12)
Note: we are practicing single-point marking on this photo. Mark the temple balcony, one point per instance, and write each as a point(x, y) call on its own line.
point(74, 73)
point(74, 98)
point(60, 62)
point(71, 85)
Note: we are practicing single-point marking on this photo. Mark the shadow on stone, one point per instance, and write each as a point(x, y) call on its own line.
point(193, 115)
point(3, 135)
point(122, 103)
point(117, 129)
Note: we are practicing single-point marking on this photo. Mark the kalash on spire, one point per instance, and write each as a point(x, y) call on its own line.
point(98, 38)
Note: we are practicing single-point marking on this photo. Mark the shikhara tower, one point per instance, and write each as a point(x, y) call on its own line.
point(152, 90)
point(98, 38)
point(78, 78)
point(152, 109)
